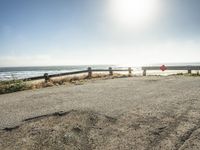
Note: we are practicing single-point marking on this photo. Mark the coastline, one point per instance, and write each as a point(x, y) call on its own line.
point(19, 85)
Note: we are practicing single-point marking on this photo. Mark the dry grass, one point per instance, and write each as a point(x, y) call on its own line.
point(19, 85)
point(189, 74)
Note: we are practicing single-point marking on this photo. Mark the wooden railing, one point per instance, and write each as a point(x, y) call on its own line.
point(46, 76)
point(188, 68)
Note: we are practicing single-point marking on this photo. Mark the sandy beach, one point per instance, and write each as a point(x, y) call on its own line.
point(152, 112)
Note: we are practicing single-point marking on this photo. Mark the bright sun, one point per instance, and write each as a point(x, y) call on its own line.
point(133, 13)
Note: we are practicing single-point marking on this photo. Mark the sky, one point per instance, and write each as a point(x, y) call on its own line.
point(87, 32)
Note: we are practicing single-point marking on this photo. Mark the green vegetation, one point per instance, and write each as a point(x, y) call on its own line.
point(19, 85)
point(189, 74)
point(195, 74)
point(12, 86)
point(179, 74)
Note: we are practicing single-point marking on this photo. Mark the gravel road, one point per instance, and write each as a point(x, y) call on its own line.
point(165, 109)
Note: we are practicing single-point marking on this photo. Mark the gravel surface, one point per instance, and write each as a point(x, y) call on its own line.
point(128, 113)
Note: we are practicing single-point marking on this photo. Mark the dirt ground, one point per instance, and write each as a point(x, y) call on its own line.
point(165, 118)
point(87, 130)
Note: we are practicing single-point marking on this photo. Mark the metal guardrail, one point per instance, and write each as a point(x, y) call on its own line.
point(89, 70)
point(46, 76)
point(188, 68)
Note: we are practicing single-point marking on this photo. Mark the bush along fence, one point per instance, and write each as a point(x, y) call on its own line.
point(163, 68)
point(89, 70)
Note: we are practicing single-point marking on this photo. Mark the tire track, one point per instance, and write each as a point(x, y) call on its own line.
point(165, 132)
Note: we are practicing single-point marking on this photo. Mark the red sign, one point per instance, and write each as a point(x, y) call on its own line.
point(163, 67)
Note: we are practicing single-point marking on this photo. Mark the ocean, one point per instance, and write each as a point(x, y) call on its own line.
point(10, 73)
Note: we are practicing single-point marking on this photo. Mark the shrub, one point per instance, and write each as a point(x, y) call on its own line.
point(12, 86)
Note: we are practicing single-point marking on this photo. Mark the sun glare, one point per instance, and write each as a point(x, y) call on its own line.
point(133, 13)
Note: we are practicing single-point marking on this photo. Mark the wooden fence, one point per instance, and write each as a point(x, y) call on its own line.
point(46, 76)
point(188, 68)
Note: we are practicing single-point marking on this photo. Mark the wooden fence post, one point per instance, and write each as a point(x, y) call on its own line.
point(46, 77)
point(144, 72)
point(129, 71)
point(189, 71)
point(110, 71)
point(89, 72)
